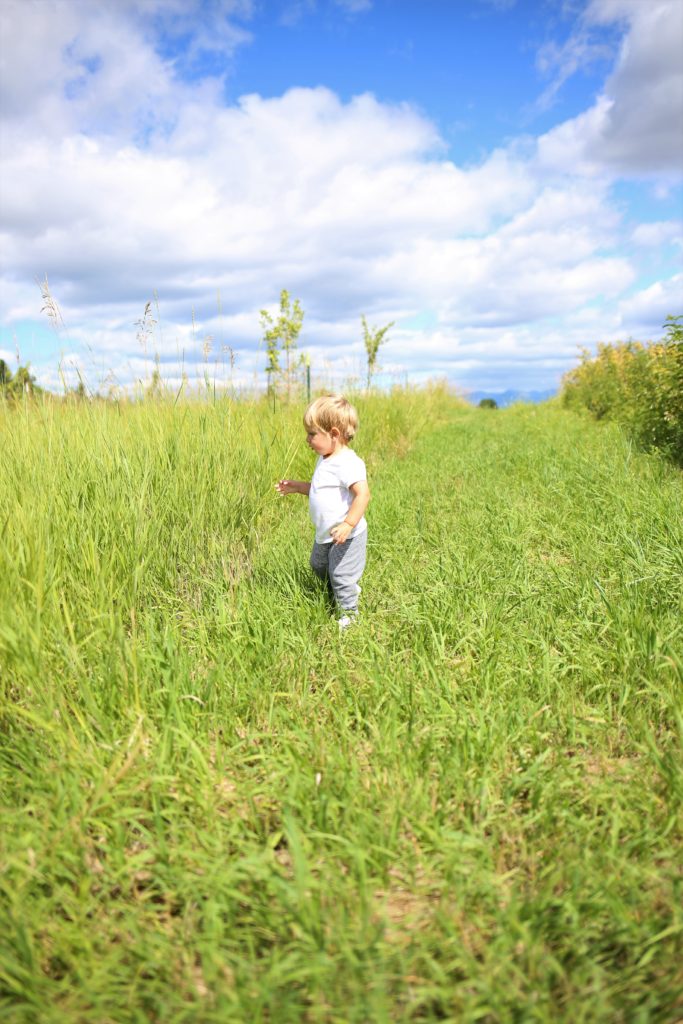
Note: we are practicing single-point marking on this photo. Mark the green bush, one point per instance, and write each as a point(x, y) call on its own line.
point(14, 385)
point(638, 385)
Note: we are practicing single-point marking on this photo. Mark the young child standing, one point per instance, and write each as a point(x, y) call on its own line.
point(338, 495)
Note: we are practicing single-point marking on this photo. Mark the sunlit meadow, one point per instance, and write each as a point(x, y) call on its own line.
point(215, 808)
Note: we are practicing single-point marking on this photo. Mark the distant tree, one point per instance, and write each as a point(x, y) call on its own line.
point(373, 337)
point(488, 403)
point(21, 383)
point(5, 376)
point(24, 381)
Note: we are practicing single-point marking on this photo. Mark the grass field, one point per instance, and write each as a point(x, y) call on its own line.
point(215, 809)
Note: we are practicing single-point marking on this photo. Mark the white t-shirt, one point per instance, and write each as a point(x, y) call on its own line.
point(329, 498)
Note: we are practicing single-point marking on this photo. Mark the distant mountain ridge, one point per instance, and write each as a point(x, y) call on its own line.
point(503, 398)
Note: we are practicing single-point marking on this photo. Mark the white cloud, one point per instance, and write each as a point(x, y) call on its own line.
point(657, 234)
point(643, 315)
point(636, 125)
point(121, 177)
point(560, 62)
point(84, 66)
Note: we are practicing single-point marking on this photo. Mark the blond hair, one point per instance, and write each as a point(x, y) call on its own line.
point(332, 411)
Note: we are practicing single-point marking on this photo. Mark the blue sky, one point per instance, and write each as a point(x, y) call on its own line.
point(501, 178)
point(469, 66)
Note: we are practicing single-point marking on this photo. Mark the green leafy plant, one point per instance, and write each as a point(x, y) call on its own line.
point(373, 337)
point(280, 335)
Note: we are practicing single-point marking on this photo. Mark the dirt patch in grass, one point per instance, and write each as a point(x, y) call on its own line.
point(406, 906)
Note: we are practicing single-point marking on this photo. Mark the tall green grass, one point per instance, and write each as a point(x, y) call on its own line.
point(215, 808)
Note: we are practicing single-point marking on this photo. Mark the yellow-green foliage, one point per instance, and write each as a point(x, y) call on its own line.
point(639, 385)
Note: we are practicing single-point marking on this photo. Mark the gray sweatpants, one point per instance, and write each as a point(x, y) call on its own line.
point(341, 565)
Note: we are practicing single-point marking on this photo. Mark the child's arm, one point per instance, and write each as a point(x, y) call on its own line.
point(361, 497)
point(292, 487)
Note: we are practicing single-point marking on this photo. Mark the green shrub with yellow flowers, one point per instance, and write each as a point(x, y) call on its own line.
point(639, 385)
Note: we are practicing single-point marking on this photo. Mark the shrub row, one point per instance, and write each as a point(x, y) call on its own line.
point(638, 385)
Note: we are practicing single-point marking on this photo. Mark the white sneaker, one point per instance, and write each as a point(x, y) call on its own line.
point(347, 620)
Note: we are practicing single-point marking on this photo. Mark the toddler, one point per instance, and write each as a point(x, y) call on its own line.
point(338, 495)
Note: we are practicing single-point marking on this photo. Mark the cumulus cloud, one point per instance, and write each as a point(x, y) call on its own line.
point(658, 233)
point(351, 225)
point(636, 125)
point(643, 314)
point(123, 177)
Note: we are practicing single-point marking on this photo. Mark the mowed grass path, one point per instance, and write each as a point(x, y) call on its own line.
point(216, 809)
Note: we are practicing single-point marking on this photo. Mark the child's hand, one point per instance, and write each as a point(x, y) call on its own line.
point(286, 487)
point(340, 533)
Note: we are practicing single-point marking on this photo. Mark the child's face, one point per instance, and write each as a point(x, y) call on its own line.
point(321, 442)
